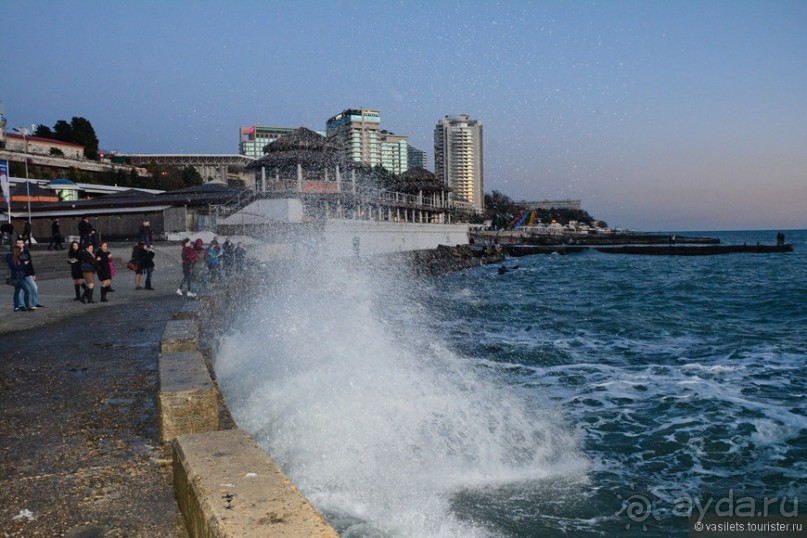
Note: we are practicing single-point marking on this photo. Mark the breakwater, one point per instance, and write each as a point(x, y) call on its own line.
point(580, 238)
point(519, 250)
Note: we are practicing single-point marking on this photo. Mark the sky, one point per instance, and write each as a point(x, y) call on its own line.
point(675, 115)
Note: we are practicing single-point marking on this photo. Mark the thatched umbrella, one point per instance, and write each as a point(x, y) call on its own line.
point(302, 146)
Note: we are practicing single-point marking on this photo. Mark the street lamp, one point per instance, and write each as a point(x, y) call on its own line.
point(24, 132)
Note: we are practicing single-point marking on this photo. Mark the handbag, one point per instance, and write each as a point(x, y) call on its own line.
point(11, 281)
point(132, 265)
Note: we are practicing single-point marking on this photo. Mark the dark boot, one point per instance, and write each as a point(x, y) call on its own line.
point(103, 295)
point(83, 298)
point(89, 295)
point(78, 292)
point(109, 289)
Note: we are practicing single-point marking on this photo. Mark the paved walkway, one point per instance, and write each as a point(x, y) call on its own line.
point(79, 448)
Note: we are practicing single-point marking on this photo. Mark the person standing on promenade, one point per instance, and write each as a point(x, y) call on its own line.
point(88, 269)
point(188, 259)
point(214, 260)
point(30, 272)
point(144, 258)
point(198, 272)
point(103, 259)
point(26, 233)
point(17, 275)
point(227, 256)
point(144, 234)
point(239, 257)
point(55, 236)
point(74, 259)
point(84, 228)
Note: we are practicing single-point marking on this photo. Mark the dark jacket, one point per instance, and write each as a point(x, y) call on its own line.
point(144, 258)
point(88, 263)
point(75, 266)
point(25, 258)
point(102, 265)
point(15, 271)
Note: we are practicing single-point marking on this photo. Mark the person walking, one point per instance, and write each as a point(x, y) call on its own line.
point(103, 259)
point(21, 298)
point(74, 259)
point(88, 268)
point(188, 259)
point(30, 274)
point(55, 236)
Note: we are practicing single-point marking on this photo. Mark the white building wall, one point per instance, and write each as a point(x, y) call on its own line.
point(343, 237)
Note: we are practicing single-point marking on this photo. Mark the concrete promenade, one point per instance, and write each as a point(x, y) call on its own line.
point(79, 445)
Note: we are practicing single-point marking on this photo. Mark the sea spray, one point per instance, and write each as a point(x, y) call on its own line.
point(339, 375)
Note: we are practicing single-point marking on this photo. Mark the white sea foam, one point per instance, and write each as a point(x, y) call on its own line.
point(375, 420)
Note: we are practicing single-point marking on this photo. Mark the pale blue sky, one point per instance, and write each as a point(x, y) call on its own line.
point(658, 115)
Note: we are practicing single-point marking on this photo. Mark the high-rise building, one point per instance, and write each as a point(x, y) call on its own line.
point(458, 158)
point(394, 155)
point(417, 157)
point(253, 139)
point(358, 132)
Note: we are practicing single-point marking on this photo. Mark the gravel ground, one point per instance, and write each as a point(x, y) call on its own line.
point(79, 448)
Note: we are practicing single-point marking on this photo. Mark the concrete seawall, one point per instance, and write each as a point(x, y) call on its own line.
point(225, 485)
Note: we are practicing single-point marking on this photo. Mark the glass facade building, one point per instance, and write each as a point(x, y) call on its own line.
point(358, 131)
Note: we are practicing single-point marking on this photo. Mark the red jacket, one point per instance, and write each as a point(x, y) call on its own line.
point(189, 255)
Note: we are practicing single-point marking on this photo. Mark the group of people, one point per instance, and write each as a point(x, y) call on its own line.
point(92, 263)
point(87, 266)
point(221, 260)
point(22, 276)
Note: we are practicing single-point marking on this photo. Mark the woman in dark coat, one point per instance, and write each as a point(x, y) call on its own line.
point(103, 260)
point(144, 258)
point(74, 259)
point(88, 268)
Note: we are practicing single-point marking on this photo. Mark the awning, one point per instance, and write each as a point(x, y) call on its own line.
point(95, 212)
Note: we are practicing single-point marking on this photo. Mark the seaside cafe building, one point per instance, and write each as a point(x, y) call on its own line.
point(115, 212)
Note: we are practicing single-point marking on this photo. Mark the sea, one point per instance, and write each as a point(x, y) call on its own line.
point(587, 394)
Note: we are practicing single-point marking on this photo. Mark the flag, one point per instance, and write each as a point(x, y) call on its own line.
point(4, 179)
point(247, 130)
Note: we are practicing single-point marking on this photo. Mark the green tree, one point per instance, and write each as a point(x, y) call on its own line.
point(63, 131)
point(500, 209)
point(79, 131)
point(43, 131)
point(191, 177)
point(84, 134)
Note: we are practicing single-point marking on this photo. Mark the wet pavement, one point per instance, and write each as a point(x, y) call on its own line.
point(79, 446)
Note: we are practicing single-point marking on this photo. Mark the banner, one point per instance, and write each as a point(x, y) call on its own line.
point(4, 179)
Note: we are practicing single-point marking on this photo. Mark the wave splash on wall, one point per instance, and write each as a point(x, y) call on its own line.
point(336, 374)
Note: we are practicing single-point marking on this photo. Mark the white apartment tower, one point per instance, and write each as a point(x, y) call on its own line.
point(458, 158)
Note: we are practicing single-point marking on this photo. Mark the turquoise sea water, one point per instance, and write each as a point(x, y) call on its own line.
point(579, 395)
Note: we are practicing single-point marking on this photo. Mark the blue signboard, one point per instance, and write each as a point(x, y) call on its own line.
point(4, 179)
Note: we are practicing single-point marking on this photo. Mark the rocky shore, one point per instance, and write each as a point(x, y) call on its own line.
point(445, 259)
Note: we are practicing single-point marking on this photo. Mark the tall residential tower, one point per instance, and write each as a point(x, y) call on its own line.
point(358, 132)
point(458, 158)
